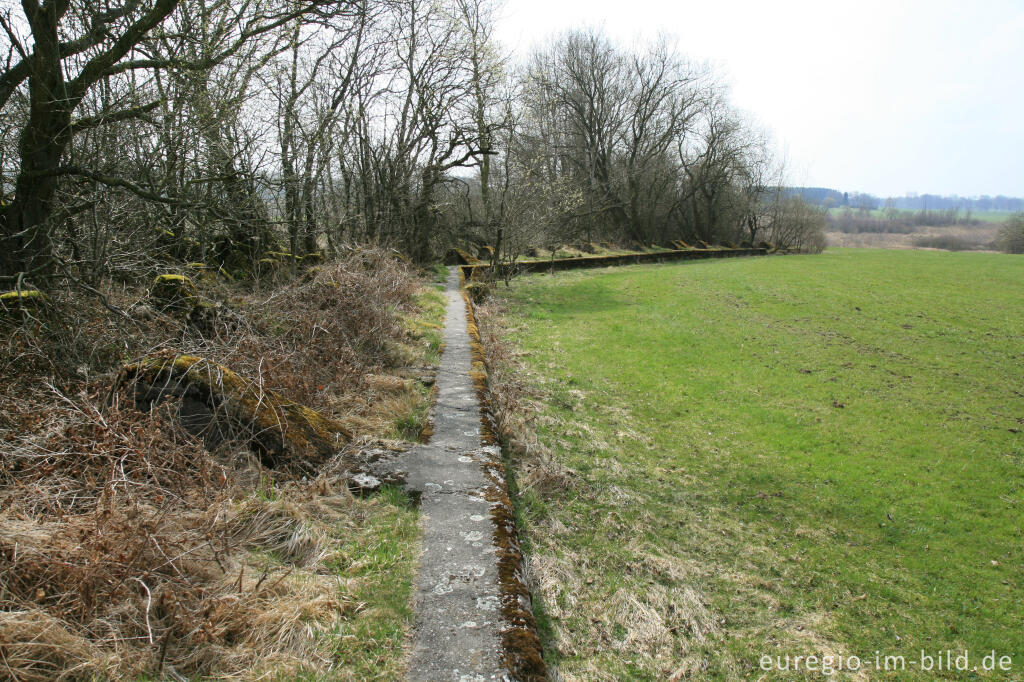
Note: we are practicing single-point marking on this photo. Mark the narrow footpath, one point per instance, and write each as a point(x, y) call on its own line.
point(459, 624)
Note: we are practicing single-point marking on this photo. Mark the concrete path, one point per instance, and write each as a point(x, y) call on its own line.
point(458, 630)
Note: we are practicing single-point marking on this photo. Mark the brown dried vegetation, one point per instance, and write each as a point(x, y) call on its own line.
point(128, 547)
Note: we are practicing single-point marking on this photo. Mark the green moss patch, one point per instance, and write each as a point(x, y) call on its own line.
point(25, 301)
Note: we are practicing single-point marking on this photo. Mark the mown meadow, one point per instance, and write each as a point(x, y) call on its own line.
point(797, 455)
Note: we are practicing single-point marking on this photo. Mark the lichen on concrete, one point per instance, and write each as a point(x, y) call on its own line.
point(469, 582)
point(521, 643)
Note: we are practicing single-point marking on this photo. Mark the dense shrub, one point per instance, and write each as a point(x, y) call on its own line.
point(949, 242)
point(1011, 235)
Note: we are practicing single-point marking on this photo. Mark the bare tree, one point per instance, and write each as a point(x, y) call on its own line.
point(761, 188)
point(714, 164)
point(613, 119)
point(59, 51)
point(323, 67)
point(799, 225)
point(490, 101)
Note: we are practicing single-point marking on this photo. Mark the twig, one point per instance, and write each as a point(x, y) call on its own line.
point(163, 645)
point(266, 570)
point(149, 602)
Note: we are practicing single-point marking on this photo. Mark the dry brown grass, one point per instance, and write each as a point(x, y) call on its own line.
point(981, 236)
point(127, 549)
point(511, 403)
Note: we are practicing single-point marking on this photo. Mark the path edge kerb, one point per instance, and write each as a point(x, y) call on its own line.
point(521, 643)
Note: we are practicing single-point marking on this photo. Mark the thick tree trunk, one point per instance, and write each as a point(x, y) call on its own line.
point(25, 242)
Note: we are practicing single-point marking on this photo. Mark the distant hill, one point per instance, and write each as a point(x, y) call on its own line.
point(824, 196)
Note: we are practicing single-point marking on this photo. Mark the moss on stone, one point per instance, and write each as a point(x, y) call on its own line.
point(24, 297)
point(310, 274)
point(16, 304)
point(522, 648)
point(478, 290)
point(460, 257)
point(220, 405)
point(173, 291)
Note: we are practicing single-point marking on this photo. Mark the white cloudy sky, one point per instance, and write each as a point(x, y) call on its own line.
point(868, 95)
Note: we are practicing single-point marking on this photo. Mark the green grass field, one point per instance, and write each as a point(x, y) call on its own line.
point(815, 455)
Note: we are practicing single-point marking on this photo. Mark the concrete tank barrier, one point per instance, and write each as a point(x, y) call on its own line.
point(478, 270)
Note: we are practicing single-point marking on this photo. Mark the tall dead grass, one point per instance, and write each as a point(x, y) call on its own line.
point(975, 237)
point(535, 467)
point(126, 548)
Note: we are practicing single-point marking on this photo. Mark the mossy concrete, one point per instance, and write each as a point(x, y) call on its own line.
point(460, 626)
point(173, 291)
point(476, 270)
point(25, 301)
point(218, 405)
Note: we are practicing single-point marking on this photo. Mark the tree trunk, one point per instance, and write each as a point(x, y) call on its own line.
point(25, 242)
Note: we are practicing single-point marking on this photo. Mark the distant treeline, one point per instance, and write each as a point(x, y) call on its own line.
point(895, 221)
point(831, 198)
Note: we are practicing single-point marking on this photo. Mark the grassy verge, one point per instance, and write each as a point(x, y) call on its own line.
point(803, 456)
point(375, 559)
point(377, 546)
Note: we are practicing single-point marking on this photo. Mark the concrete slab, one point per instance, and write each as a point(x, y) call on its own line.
point(458, 631)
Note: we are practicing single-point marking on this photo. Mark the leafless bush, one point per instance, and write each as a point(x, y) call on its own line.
point(1011, 234)
point(897, 222)
point(799, 225)
point(947, 242)
point(321, 336)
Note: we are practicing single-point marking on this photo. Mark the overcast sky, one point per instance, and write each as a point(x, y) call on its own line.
point(874, 96)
